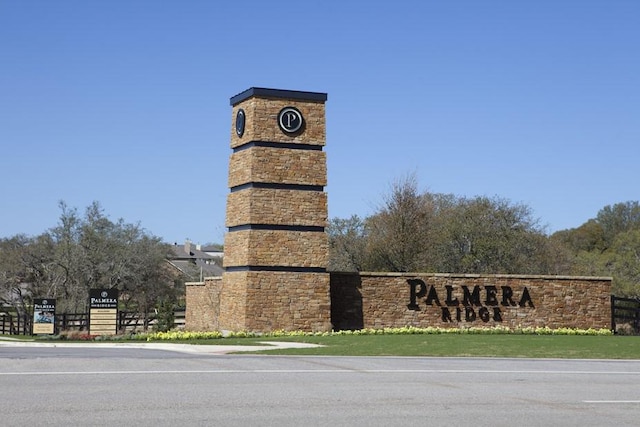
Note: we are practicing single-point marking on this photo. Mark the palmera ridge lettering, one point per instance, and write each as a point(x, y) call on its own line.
point(104, 301)
point(469, 304)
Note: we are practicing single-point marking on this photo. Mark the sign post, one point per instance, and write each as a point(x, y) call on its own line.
point(103, 311)
point(44, 316)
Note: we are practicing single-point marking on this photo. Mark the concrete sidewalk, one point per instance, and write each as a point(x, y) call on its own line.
point(183, 348)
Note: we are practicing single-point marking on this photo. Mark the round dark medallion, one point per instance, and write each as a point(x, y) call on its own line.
point(290, 120)
point(240, 119)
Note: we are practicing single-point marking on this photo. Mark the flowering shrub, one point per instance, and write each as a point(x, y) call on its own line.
point(430, 330)
point(406, 330)
point(178, 335)
point(77, 336)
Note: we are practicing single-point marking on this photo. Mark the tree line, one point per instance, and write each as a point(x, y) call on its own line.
point(415, 231)
point(88, 252)
point(411, 231)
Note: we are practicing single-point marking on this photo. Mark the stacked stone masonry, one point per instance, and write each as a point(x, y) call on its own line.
point(277, 207)
point(379, 300)
point(279, 166)
point(278, 301)
point(277, 248)
point(262, 113)
point(203, 304)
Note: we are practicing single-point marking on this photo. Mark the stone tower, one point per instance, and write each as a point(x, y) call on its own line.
point(276, 248)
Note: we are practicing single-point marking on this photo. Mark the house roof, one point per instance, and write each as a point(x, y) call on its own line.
point(198, 269)
point(189, 251)
point(193, 261)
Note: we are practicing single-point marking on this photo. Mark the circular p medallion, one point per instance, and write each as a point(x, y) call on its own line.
point(290, 120)
point(240, 120)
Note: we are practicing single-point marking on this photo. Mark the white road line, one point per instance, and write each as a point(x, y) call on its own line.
point(323, 371)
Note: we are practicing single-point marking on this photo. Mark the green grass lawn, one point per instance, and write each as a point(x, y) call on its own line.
point(447, 345)
point(460, 345)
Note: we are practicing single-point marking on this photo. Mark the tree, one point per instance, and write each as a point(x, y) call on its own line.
point(623, 261)
point(82, 253)
point(347, 240)
point(149, 284)
point(44, 276)
point(485, 235)
point(398, 234)
point(27, 269)
point(588, 237)
point(68, 258)
point(118, 255)
point(619, 218)
point(607, 245)
point(13, 273)
point(427, 232)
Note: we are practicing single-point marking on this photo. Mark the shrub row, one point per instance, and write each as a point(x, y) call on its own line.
point(407, 330)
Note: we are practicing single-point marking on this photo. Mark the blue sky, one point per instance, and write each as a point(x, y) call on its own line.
point(127, 103)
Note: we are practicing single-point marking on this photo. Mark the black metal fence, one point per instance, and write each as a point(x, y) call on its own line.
point(128, 321)
point(625, 315)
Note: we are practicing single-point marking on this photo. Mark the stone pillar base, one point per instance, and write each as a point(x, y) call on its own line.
point(262, 301)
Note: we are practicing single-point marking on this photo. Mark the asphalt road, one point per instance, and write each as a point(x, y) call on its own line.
point(91, 386)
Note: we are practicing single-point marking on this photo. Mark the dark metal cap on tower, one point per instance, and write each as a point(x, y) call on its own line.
point(278, 93)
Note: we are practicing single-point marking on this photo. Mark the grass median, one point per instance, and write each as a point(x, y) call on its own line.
point(454, 345)
point(545, 344)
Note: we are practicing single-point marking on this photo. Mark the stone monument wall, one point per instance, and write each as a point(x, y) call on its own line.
point(380, 300)
point(276, 249)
